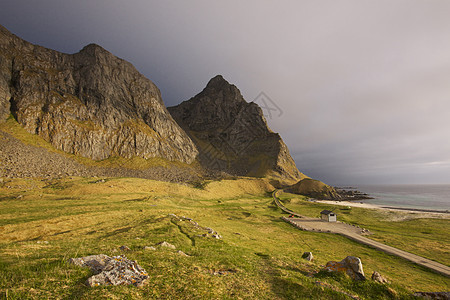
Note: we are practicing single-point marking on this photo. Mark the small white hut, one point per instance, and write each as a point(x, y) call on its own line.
point(328, 215)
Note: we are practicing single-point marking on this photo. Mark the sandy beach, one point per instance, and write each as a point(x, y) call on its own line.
point(412, 212)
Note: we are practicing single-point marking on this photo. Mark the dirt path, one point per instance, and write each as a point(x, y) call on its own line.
point(357, 234)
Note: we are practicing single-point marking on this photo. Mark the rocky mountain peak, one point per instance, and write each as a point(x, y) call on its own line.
point(220, 90)
point(232, 135)
point(94, 49)
point(218, 83)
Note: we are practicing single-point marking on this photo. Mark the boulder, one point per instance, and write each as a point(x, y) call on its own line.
point(378, 278)
point(308, 256)
point(117, 270)
point(350, 265)
point(124, 248)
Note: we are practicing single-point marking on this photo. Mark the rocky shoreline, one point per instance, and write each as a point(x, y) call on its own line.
point(351, 194)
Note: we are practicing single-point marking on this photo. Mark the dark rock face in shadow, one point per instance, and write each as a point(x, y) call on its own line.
point(232, 135)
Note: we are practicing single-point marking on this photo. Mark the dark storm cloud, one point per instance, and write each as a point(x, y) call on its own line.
point(363, 85)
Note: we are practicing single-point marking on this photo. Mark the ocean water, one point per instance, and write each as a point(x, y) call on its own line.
point(418, 196)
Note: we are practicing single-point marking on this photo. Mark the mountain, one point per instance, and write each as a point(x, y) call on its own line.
point(90, 103)
point(232, 135)
point(95, 105)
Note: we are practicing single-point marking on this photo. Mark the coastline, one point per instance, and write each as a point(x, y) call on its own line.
point(416, 211)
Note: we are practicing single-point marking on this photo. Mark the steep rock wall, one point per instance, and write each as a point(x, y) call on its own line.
point(232, 135)
point(90, 103)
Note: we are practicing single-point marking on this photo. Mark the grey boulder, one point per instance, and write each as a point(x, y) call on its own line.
point(116, 270)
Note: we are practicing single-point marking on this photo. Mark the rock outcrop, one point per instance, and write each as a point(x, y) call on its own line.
point(232, 135)
point(90, 103)
point(116, 270)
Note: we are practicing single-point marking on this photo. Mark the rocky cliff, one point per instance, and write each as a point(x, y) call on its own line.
point(232, 135)
point(90, 103)
point(95, 105)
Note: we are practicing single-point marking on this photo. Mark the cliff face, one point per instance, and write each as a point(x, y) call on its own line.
point(232, 135)
point(90, 103)
point(96, 105)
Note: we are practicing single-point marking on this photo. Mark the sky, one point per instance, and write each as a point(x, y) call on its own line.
point(359, 90)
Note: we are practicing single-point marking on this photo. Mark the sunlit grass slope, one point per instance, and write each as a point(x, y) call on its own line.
point(43, 223)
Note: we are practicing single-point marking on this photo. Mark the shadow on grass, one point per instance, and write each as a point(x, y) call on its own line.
point(79, 289)
point(286, 287)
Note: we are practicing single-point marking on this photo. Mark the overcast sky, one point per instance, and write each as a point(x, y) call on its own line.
point(362, 87)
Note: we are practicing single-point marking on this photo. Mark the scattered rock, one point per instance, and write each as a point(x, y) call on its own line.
point(210, 231)
point(433, 295)
point(378, 278)
point(308, 256)
point(149, 248)
point(182, 253)
point(365, 231)
point(19, 160)
point(42, 242)
point(124, 248)
point(222, 272)
point(166, 244)
point(350, 265)
point(117, 270)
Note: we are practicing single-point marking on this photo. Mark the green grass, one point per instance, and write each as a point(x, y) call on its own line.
point(79, 217)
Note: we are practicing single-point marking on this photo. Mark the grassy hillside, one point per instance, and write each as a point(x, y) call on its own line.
point(43, 223)
point(314, 188)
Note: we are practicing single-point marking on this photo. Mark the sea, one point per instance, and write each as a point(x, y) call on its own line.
point(410, 196)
